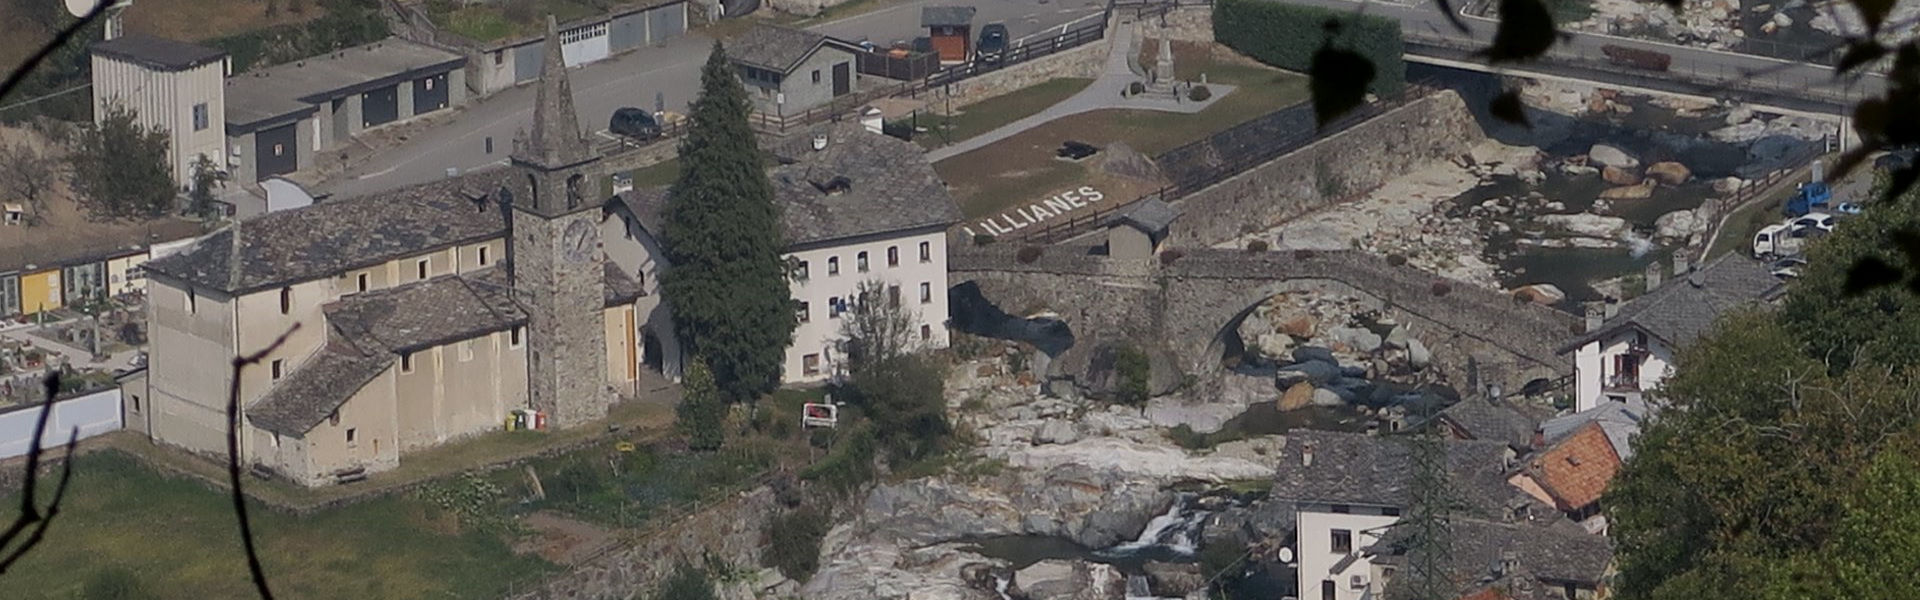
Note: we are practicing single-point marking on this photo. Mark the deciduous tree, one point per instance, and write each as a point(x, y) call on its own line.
point(119, 168)
point(878, 329)
point(727, 283)
point(27, 174)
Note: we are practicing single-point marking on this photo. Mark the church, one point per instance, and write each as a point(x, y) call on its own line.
point(398, 321)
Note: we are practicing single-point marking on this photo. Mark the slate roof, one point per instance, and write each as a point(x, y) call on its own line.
point(324, 239)
point(1551, 556)
point(1621, 421)
point(620, 289)
point(1482, 419)
point(1355, 468)
point(1151, 216)
point(1576, 470)
point(158, 53)
point(316, 387)
point(890, 188)
point(1682, 309)
point(367, 331)
point(946, 16)
point(778, 48)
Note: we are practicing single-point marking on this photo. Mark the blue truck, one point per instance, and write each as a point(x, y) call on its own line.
point(1813, 195)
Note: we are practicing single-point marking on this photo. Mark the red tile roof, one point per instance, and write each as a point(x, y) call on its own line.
point(1576, 470)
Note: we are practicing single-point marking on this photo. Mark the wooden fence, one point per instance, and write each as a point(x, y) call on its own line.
point(883, 63)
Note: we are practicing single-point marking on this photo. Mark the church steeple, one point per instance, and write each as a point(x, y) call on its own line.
point(556, 141)
point(562, 174)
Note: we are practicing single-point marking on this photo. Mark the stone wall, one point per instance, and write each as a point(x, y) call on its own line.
point(1436, 127)
point(730, 530)
point(645, 156)
point(1186, 305)
point(1084, 61)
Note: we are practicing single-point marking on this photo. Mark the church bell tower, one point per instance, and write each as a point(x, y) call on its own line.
point(555, 251)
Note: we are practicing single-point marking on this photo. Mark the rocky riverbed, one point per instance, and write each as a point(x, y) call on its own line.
point(1602, 185)
point(1795, 29)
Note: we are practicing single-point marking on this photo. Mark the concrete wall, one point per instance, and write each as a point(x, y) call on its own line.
point(731, 530)
point(1191, 23)
point(1359, 159)
point(93, 414)
point(371, 417)
point(191, 337)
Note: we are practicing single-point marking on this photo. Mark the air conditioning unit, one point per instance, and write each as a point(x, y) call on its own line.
point(1358, 582)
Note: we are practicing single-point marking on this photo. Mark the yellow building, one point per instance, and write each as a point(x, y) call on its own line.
point(39, 291)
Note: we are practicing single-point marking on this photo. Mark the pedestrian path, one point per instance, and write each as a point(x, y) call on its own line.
point(1105, 92)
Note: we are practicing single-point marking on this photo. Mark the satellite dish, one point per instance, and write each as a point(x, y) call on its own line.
point(1286, 555)
point(80, 8)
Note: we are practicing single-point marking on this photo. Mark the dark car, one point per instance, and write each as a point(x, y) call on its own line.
point(1897, 159)
point(993, 42)
point(634, 123)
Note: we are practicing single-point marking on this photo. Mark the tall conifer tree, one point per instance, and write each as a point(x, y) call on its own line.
point(728, 283)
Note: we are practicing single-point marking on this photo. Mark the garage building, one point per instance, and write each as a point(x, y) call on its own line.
point(504, 64)
point(278, 119)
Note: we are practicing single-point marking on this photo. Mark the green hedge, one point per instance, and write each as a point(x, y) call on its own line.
point(1286, 36)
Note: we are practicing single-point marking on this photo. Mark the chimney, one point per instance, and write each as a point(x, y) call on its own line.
point(819, 142)
point(1653, 276)
point(1509, 562)
point(1612, 305)
point(1680, 266)
point(1306, 454)
point(1595, 316)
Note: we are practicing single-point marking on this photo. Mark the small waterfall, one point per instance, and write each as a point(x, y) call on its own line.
point(1637, 245)
point(1000, 584)
point(1176, 530)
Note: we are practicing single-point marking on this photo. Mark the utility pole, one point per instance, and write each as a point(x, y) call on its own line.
point(1430, 543)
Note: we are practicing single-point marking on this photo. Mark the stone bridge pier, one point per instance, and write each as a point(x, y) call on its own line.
point(1186, 308)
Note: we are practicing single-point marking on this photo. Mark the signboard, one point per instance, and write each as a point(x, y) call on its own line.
point(819, 415)
point(1033, 214)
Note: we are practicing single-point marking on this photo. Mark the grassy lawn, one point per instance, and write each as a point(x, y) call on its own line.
point(487, 22)
point(174, 538)
point(1022, 168)
point(607, 486)
point(986, 115)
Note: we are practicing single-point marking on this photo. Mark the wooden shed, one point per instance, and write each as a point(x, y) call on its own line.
point(950, 28)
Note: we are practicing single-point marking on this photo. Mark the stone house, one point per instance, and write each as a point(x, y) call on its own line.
point(1627, 351)
point(393, 322)
point(788, 71)
point(1138, 233)
point(1492, 560)
point(855, 206)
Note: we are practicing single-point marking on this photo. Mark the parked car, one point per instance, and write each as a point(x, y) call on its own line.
point(634, 123)
point(993, 42)
point(1779, 240)
point(1850, 208)
point(1787, 267)
point(1897, 159)
point(1818, 220)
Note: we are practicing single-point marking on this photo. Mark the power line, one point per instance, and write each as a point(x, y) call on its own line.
point(59, 93)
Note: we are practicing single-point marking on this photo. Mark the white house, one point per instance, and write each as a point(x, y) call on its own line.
point(855, 206)
point(1347, 489)
point(1628, 349)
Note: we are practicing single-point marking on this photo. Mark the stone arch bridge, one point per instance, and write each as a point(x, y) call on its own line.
point(1186, 307)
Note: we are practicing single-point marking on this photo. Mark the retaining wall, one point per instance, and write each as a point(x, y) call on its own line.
point(1085, 61)
point(1320, 174)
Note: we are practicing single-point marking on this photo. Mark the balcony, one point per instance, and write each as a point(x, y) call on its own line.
point(1620, 382)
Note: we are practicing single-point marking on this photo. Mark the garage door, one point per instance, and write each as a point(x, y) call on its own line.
point(380, 106)
point(276, 151)
point(666, 22)
point(526, 62)
point(628, 32)
point(429, 94)
point(582, 45)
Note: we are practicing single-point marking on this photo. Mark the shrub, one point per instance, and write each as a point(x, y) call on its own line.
point(1134, 371)
point(1186, 437)
point(1028, 254)
point(1441, 288)
point(1257, 246)
point(982, 239)
point(1136, 88)
point(1167, 257)
point(793, 543)
point(1286, 36)
point(848, 465)
point(688, 582)
point(1199, 93)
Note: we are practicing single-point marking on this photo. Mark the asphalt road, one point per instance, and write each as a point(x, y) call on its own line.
point(668, 75)
point(1695, 65)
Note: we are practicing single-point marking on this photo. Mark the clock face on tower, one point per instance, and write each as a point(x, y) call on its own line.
point(577, 242)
